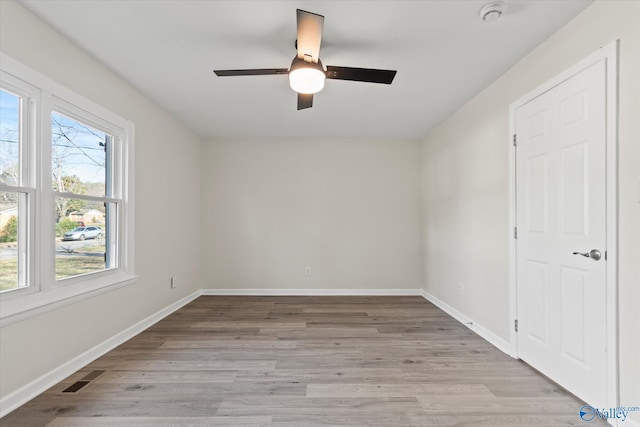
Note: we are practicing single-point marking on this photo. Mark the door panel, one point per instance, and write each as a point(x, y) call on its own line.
point(536, 307)
point(538, 195)
point(573, 321)
point(574, 196)
point(560, 209)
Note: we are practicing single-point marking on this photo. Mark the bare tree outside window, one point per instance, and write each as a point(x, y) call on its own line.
point(9, 179)
point(79, 157)
point(9, 143)
point(78, 163)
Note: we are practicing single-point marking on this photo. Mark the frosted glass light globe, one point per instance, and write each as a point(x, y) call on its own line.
point(306, 76)
point(306, 80)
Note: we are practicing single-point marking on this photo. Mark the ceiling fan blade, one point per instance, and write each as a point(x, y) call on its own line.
point(305, 100)
point(370, 75)
point(251, 72)
point(309, 34)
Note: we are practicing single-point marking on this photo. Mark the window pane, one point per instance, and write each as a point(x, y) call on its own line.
point(78, 158)
point(9, 138)
point(9, 254)
point(81, 238)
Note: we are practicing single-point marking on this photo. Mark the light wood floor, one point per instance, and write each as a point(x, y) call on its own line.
point(304, 361)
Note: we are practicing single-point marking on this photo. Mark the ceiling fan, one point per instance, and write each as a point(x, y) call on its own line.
point(307, 74)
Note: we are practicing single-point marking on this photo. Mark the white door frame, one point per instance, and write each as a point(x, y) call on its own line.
point(609, 53)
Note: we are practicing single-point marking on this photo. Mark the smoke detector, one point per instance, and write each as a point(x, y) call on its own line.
point(491, 12)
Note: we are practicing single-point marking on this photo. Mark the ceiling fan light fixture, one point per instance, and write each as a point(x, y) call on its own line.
point(307, 74)
point(306, 77)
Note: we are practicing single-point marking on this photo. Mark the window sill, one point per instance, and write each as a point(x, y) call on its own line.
point(16, 309)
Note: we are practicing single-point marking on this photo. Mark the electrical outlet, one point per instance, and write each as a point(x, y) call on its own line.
point(307, 271)
point(174, 282)
point(460, 288)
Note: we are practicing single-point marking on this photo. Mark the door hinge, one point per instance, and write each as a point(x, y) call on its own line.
point(515, 140)
point(515, 232)
point(515, 325)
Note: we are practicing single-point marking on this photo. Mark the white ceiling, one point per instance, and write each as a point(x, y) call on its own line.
point(442, 50)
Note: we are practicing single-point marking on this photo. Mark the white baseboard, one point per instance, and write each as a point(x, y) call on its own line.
point(312, 292)
point(498, 342)
point(29, 391)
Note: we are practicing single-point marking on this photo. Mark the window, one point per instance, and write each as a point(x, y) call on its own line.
point(16, 193)
point(66, 210)
point(80, 159)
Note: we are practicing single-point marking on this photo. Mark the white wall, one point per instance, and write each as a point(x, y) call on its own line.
point(465, 179)
point(167, 195)
point(348, 209)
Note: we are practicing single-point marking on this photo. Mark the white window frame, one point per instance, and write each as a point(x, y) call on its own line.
point(118, 134)
point(25, 187)
point(44, 291)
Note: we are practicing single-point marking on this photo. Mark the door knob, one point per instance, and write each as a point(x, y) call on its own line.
point(593, 254)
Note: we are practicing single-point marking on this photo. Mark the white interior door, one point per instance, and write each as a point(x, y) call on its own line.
point(561, 209)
